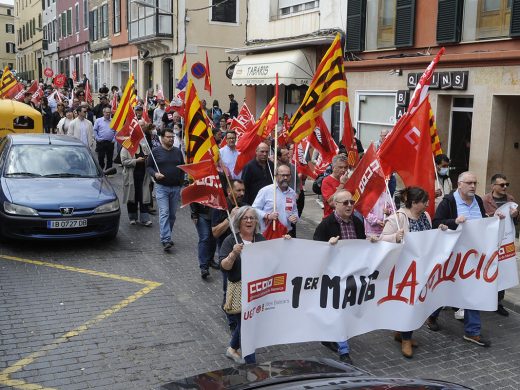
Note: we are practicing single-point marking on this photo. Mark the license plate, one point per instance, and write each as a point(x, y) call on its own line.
point(67, 224)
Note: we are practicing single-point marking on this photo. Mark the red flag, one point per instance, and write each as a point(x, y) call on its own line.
point(160, 93)
point(260, 131)
point(131, 133)
point(348, 140)
point(421, 89)
point(177, 104)
point(407, 151)
point(88, 93)
point(322, 141)
point(206, 189)
point(302, 165)
point(207, 78)
point(243, 122)
point(367, 182)
point(271, 233)
point(37, 94)
point(146, 117)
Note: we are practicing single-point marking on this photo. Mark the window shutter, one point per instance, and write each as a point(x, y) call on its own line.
point(356, 21)
point(404, 23)
point(449, 21)
point(515, 18)
point(91, 24)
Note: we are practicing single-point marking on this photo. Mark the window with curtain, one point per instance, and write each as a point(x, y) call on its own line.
point(117, 16)
point(225, 12)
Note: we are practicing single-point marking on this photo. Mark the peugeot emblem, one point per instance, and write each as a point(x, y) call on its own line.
point(66, 210)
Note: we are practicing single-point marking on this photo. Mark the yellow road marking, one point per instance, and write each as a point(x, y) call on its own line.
point(22, 363)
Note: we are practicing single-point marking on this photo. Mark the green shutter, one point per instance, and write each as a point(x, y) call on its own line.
point(404, 22)
point(356, 20)
point(449, 21)
point(515, 18)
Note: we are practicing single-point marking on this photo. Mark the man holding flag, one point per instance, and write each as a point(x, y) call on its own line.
point(169, 179)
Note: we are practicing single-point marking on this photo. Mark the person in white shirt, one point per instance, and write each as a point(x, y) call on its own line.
point(158, 113)
point(229, 154)
point(286, 210)
point(81, 128)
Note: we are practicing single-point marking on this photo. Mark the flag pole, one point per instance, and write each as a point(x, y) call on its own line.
point(228, 182)
point(231, 226)
point(295, 166)
point(436, 175)
point(392, 203)
point(151, 153)
point(275, 167)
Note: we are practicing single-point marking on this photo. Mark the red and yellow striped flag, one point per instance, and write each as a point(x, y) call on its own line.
point(328, 86)
point(436, 143)
point(9, 86)
point(126, 103)
point(200, 143)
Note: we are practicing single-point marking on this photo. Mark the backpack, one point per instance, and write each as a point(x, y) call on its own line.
point(217, 114)
point(316, 186)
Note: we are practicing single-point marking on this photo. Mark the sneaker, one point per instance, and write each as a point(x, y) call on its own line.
point(502, 311)
point(479, 340)
point(171, 243)
point(234, 355)
point(459, 314)
point(147, 223)
point(432, 324)
point(133, 222)
point(345, 358)
point(167, 246)
point(204, 273)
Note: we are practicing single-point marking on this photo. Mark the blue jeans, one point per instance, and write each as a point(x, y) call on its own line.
point(235, 339)
point(207, 244)
point(343, 347)
point(167, 200)
point(472, 322)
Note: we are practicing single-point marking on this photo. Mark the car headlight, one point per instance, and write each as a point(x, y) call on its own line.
point(107, 207)
point(16, 209)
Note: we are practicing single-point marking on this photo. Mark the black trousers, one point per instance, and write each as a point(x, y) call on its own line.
point(105, 150)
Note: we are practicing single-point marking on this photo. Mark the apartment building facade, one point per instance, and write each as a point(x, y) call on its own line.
point(287, 37)
point(50, 37)
point(8, 31)
point(73, 42)
point(475, 92)
point(28, 24)
point(99, 38)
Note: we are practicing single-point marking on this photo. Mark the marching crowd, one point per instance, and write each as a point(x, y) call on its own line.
point(262, 195)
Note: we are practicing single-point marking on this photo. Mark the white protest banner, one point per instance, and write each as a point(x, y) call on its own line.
point(314, 291)
point(507, 252)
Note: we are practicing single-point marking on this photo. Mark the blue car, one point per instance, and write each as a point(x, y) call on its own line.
point(52, 189)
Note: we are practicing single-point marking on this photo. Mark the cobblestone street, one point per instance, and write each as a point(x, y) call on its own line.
point(126, 315)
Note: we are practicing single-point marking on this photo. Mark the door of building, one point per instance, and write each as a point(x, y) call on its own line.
point(460, 135)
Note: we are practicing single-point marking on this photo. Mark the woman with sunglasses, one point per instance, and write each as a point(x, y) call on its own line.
point(412, 217)
point(245, 225)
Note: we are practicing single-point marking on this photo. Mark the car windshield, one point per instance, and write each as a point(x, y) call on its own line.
point(50, 161)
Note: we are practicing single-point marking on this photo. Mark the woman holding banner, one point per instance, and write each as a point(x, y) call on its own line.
point(245, 225)
point(413, 217)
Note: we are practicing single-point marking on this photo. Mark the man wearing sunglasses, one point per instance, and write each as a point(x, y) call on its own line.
point(492, 201)
point(341, 224)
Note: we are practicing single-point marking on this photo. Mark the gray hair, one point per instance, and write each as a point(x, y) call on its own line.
point(338, 158)
point(339, 193)
point(240, 214)
point(463, 174)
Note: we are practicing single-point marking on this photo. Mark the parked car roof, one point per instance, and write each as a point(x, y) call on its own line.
point(43, 139)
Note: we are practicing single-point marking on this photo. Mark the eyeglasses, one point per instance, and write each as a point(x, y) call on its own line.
point(351, 202)
point(470, 183)
point(503, 185)
point(247, 218)
point(230, 138)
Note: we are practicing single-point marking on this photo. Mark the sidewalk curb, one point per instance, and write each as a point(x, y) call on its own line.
point(513, 306)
